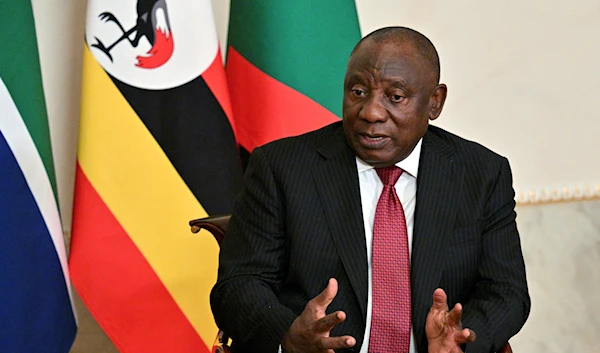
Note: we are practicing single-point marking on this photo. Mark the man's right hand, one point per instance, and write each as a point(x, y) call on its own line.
point(310, 331)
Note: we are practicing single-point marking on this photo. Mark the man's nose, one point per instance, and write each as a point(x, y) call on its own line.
point(373, 109)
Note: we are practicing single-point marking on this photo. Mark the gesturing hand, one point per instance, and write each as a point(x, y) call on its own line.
point(443, 328)
point(310, 331)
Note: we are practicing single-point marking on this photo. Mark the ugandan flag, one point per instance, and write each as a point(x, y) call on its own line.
point(286, 62)
point(36, 311)
point(156, 150)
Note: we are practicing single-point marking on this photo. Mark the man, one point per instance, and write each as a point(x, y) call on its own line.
point(308, 263)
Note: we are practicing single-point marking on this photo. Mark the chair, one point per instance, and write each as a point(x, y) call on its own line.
point(217, 225)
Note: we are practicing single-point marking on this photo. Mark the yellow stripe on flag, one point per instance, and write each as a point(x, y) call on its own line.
point(147, 196)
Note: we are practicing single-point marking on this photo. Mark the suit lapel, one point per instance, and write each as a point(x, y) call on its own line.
point(439, 184)
point(336, 179)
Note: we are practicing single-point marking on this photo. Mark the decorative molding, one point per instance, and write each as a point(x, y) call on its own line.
point(536, 196)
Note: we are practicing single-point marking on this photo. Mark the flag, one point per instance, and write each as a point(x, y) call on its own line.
point(36, 312)
point(156, 150)
point(285, 65)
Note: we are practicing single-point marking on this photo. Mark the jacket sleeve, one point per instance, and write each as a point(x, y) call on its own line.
point(500, 303)
point(253, 265)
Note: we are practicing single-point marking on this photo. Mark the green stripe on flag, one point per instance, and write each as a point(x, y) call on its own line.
point(20, 71)
point(304, 44)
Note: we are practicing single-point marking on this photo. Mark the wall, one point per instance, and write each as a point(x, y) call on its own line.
point(522, 80)
point(561, 246)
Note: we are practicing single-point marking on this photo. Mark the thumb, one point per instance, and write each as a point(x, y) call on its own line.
point(439, 300)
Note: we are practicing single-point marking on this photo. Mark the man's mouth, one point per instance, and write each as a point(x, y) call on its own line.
point(373, 141)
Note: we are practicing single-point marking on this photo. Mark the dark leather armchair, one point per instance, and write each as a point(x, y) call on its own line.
point(217, 225)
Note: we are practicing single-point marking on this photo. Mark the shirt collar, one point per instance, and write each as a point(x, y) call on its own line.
point(409, 164)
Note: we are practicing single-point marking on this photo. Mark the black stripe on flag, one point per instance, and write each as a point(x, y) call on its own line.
point(194, 132)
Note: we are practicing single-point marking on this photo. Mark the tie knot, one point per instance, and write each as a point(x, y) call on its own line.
point(389, 175)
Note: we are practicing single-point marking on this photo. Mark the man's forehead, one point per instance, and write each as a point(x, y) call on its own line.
point(370, 50)
point(388, 55)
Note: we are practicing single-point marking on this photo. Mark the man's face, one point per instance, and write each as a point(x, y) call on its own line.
point(389, 96)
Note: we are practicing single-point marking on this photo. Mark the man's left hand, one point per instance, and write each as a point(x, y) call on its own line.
point(444, 328)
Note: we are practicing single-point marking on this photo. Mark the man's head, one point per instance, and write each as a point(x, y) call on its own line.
point(391, 91)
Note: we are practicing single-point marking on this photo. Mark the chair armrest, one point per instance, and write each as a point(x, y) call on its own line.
point(217, 225)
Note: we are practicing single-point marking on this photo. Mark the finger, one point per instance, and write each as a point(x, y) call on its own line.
point(439, 300)
point(336, 342)
point(465, 336)
point(328, 322)
point(456, 314)
point(326, 296)
point(471, 336)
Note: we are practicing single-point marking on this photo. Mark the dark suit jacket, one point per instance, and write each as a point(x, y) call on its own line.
point(298, 222)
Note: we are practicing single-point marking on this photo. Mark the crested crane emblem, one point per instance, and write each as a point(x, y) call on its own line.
point(152, 44)
point(153, 24)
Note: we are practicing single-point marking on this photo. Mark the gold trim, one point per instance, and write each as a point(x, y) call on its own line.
point(563, 194)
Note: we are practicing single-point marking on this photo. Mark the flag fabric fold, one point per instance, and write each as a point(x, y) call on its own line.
point(285, 65)
point(157, 149)
point(36, 311)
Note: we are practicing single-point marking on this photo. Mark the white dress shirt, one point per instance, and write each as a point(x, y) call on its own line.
point(370, 189)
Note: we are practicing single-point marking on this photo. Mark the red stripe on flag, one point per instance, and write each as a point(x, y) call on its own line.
point(154, 323)
point(215, 79)
point(266, 109)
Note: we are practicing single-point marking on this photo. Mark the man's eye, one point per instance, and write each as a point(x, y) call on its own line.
point(358, 92)
point(396, 98)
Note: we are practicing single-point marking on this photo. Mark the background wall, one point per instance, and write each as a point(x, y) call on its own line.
point(522, 80)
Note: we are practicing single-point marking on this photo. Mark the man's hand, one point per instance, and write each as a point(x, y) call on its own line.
point(443, 328)
point(310, 331)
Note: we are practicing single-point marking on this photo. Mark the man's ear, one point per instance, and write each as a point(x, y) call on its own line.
point(438, 97)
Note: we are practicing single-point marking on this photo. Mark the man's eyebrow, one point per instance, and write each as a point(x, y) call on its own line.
point(393, 81)
point(396, 81)
point(353, 79)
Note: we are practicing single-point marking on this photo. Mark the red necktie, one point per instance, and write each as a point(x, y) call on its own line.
point(391, 314)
